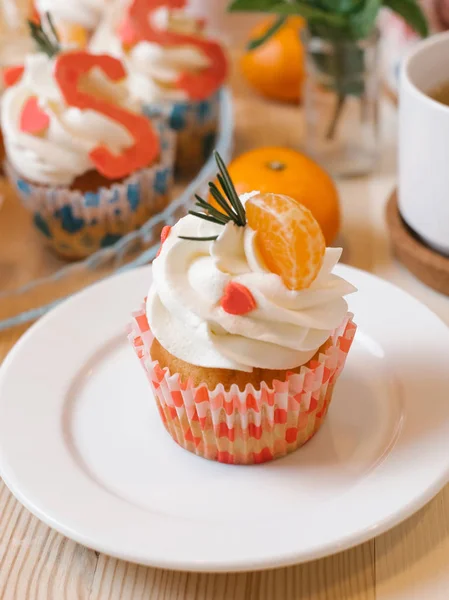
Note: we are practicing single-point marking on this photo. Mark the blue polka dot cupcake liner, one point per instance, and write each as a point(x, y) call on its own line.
point(75, 224)
point(195, 125)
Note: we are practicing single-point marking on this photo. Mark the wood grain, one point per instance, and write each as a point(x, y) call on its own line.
point(37, 562)
point(409, 563)
point(427, 265)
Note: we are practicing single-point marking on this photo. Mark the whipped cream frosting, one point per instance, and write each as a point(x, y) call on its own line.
point(61, 153)
point(189, 278)
point(87, 13)
point(155, 69)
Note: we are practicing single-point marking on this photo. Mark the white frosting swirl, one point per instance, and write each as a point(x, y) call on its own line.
point(155, 69)
point(87, 13)
point(61, 153)
point(184, 313)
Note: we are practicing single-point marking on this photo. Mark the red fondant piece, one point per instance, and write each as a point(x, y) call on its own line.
point(237, 299)
point(69, 68)
point(137, 27)
point(199, 86)
point(164, 235)
point(33, 119)
point(11, 75)
point(139, 13)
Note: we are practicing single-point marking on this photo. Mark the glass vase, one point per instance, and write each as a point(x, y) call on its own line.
point(341, 100)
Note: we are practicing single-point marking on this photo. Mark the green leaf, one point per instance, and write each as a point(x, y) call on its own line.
point(341, 6)
point(363, 21)
point(350, 19)
point(411, 12)
point(252, 5)
point(274, 28)
point(295, 7)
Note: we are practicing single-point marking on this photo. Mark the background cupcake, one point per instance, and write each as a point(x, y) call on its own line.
point(87, 166)
point(175, 70)
point(245, 330)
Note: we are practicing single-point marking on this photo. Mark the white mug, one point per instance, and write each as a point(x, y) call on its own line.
point(424, 143)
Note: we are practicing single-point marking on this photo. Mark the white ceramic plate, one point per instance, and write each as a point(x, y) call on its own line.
point(82, 447)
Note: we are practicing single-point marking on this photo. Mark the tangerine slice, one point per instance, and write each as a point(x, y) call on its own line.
point(288, 238)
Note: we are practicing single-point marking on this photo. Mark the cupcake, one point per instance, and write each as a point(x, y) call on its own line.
point(86, 165)
point(175, 71)
point(75, 20)
point(245, 329)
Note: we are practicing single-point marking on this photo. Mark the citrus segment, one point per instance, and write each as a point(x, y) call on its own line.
point(288, 238)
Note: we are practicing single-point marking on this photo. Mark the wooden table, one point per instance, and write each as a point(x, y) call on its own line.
point(411, 562)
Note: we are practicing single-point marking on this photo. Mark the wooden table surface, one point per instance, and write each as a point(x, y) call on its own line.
point(411, 562)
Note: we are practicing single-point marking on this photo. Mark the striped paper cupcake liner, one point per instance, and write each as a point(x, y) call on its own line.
point(250, 426)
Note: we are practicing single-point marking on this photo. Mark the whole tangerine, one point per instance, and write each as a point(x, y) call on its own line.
point(276, 68)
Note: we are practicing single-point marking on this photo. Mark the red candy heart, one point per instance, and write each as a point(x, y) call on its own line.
point(33, 119)
point(164, 235)
point(237, 299)
point(11, 75)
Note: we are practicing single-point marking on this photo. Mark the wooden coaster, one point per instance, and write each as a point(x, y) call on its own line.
point(426, 264)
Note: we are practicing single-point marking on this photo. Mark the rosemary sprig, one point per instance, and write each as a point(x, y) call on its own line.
point(213, 212)
point(211, 238)
point(52, 28)
point(49, 44)
point(228, 187)
point(207, 217)
point(228, 200)
point(218, 197)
